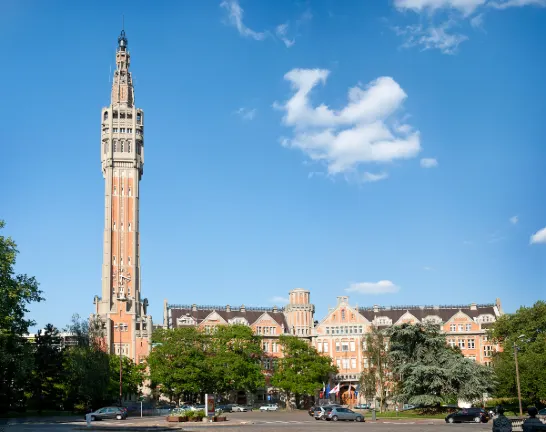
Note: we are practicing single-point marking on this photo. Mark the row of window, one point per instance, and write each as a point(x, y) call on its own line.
point(122, 115)
point(344, 330)
point(121, 327)
point(114, 227)
point(462, 343)
point(122, 291)
point(274, 347)
point(266, 330)
point(346, 363)
point(121, 260)
point(460, 327)
point(122, 130)
point(269, 363)
point(124, 349)
point(129, 191)
point(122, 147)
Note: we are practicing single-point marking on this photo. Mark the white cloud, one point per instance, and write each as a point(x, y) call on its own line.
point(514, 220)
point(465, 6)
point(281, 32)
point(235, 15)
point(278, 300)
point(381, 287)
point(539, 236)
point(431, 37)
point(370, 177)
point(363, 131)
point(429, 163)
point(505, 4)
point(427, 268)
point(246, 113)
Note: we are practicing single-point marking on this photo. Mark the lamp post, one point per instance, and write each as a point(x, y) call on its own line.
point(121, 299)
point(517, 375)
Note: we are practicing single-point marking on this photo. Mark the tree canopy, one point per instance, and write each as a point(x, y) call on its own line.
point(302, 370)
point(429, 372)
point(374, 378)
point(527, 329)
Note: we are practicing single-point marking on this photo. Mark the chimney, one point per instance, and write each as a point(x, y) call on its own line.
point(275, 309)
point(228, 308)
point(194, 307)
point(376, 308)
point(242, 309)
point(473, 306)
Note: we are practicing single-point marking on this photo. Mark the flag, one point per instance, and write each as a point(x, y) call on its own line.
point(327, 391)
point(335, 390)
point(323, 387)
point(357, 389)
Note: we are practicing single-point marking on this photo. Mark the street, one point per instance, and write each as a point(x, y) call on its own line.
point(254, 421)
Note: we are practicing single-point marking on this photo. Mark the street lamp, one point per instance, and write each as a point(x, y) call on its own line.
point(517, 375)
point(121, 299)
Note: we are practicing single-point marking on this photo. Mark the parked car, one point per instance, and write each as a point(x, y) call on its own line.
point(542, 414)
point(269, 407)
point(362, 406)
point(239, 408)
point(109, 413)
point(321, 411)
point(340, 413)
point(476, 415)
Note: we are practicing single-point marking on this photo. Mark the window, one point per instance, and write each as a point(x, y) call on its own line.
point(266, 346)
point(122, 130)
point(129, 227)
point(114, 130)
point(129, 146)
point(338, 363)
point(327, 330)
point(353, 346)
point(258, 330)
point(353, 363)
point(115, 114)
point(469, 327)
point(484, 338)
point(266, 330)
point(452, 327)
point(366, 363)
point(451, 343)
point(360, 329)
point(471, 344)
point(114, 259)
point(129, 260)
point(319, 347)
point(105, 115)
point(121, 146)
point(460, 327)
point(342, 314)
point(121, 226)
point(115, 146)
point(461, 343)
point(114, 226)
point(326, 348)
point(487, 350)
point(344, 346)
point(138, 117)
point(337, 346)
point(345, 363)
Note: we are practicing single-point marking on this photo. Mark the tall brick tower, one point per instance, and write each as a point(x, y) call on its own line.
point(299, 313)
point(121, 308)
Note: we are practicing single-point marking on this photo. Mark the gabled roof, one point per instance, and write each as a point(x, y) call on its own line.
point(421, 312)
point(200, 313)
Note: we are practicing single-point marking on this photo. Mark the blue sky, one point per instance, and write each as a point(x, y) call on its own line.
point(388, 150)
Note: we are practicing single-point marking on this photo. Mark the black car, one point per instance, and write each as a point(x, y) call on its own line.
point(476, 415)
point(109, 413)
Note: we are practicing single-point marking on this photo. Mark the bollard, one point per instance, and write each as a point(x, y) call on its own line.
point(374, 418)
point(88, 420)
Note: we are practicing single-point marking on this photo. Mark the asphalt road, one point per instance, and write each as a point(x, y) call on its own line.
point(258, 421)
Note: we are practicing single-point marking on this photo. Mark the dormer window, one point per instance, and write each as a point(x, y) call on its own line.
point(185, 320)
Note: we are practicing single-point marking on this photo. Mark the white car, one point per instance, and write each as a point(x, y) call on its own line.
point(239, 408)
point(269, 407)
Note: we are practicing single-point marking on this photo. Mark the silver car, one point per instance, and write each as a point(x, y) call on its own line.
point(340, 413)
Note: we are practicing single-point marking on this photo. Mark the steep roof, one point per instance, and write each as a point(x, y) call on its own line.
point(421, 312)
point(251, 314)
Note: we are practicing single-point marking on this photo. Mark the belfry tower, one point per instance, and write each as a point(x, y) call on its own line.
point(121, 308)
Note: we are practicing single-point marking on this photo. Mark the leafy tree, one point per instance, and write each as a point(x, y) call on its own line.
point(527, 329)
point(302, 370)
point(17, 291)
point(374, 377)
point(177, 361)
point(86, 367)
point(233, 359)
point(429, 372)
point(132, 376)
point(47, 374)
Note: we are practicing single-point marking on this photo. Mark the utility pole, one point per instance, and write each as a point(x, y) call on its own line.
point(517, 379)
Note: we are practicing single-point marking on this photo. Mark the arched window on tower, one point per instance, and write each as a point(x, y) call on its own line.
point(130, 192)
point(129, 146)
point(121, 226)
point(129, 227)
point(114, 226)
point(121, 261)
point(115, 145)
point(121, 146)
point(114, 259)
point(105, 115)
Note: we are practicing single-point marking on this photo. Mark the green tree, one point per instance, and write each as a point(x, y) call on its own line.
point(429, 372)
point(233, 359)
point(17, 291)
point(86, 367)
point(177, 361)
point(133, 376)
point(301, 370)
point(527, 329)
point(47, 374)
point(373, 381)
